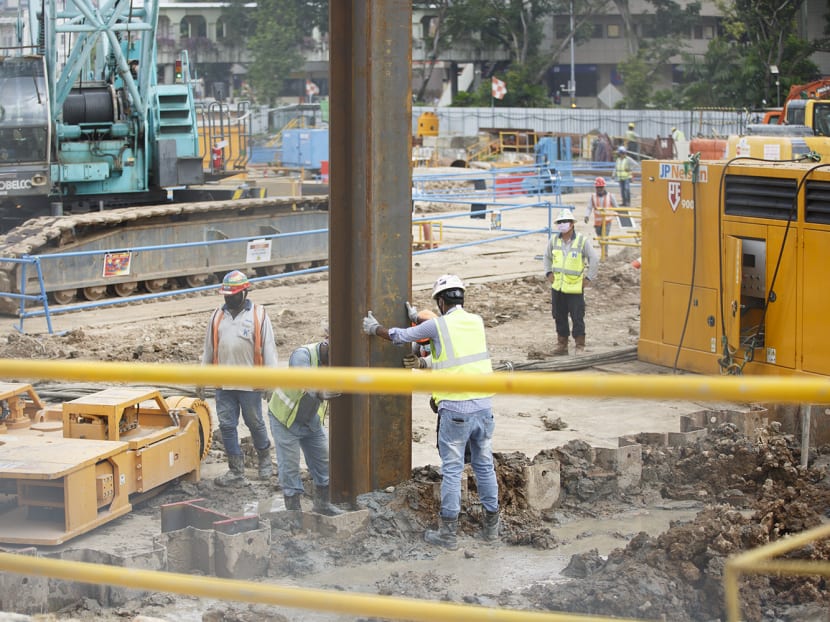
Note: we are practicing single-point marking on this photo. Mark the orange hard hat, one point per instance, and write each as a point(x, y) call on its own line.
point(599, 182)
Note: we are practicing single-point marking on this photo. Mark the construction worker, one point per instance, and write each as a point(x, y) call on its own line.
point(600, 204)
point(632, 140)
point(677, 135)
point(623, 167)
point(297, 418)
point(458, 346)
point(240, 333)
point(568, 256)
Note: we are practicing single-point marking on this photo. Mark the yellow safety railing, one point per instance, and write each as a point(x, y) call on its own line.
point(631, 237)
point(760, 561)
point(428, 234)
point(403, 381)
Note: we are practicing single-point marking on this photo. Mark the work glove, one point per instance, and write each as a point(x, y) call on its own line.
point(329, 395)
point(412, 312)
point(370, 324)
point(410, 361)
point(586, 220)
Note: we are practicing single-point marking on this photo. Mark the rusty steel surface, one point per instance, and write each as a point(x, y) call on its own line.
point(370, 233)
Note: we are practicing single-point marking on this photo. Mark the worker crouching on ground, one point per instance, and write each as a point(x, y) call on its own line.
point(567, 257)
point(240, 333)
point(458, 345)
point(297, 418)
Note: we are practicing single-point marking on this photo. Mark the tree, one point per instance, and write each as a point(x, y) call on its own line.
point(435, 41)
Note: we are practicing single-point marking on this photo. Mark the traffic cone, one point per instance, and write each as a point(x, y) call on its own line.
point(637, 263)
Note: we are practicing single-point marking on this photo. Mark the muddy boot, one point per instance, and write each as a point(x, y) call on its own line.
point(580, 344)
point(264, 468)
point(322, 504)
point(490, 530)
point(235, 474)
point(445, 535)
point(292, 503)
point(561, 347)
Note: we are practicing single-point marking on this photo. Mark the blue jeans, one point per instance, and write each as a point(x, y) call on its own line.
point(229, 403)
point(625, 192)
point(455, 431)
point(311, 437)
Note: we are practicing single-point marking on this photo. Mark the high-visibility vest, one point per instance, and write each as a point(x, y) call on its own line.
point(259, 319)
point(568, 269)
point(463, 350)
point(623, 169)
point(599, 210)
point(285, 402)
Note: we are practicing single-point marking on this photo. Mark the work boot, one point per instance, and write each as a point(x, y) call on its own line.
point(445, 535)
point(292, 503)
point(580, 344)
point(490, 531)
point(235, 474)
point(561, 347)
point(265, 468)
point(322, 505)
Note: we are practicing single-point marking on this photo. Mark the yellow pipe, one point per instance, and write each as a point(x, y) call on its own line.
point(364, 380)
point(302, 598)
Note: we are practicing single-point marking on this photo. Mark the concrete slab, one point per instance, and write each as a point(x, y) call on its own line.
point(542, 485)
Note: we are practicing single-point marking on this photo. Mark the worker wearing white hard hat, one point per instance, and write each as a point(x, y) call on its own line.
point(458, 346)
point(570, 263)
point(623, 171)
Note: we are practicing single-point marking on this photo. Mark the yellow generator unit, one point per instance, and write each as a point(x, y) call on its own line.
point(734, 267)
point(779, 147)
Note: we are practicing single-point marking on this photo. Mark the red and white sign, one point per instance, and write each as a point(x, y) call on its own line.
point(674, 195)
point(499, 88)
point(311, 88)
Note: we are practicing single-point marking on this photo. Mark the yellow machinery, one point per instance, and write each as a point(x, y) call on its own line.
point(64, 471)
point(734, 267)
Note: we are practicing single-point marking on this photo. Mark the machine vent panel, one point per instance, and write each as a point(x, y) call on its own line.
point(817, 202)
point(761, 197)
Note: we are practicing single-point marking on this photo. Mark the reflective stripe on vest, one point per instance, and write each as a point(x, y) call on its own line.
point(599, 210)
point(463, 350)
point(258, 322)
point(284, 402)
point(623, 169)
point(568, 269)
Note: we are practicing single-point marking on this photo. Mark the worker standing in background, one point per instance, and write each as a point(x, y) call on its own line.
point(677, 135)
point(600, 204)
point(240, 333)
point(632, 140)
point(623, 171)
point(297, 418)
point(459, 346)
point(568, 256)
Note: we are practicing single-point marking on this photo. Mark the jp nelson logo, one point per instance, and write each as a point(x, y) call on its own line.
point(679, 172)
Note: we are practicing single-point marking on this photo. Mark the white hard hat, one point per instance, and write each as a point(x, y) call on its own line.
point(446, 282)
point(565, 215)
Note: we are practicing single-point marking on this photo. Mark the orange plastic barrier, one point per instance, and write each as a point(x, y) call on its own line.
point(709, 148)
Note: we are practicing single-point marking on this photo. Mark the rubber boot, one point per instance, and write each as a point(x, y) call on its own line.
point(445, 535)
point(580, 344)
point(561, 347)
point(264, 468)
point(322, 504)
point(292, 503)
point(490, 531)
point(235, 474)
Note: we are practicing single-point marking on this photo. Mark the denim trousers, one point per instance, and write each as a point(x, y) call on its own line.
point(455, 430)
point(311, 437)
point(229, 403)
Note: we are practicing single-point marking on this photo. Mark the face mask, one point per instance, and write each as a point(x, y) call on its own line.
point(563, 227)
point(235, 301)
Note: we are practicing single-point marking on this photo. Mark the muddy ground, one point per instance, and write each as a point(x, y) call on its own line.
point(738, 493)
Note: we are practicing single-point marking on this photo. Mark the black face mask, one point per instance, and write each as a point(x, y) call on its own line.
point(235, 301)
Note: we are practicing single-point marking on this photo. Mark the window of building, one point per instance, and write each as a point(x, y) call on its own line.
point(561, 27)
point(193, 26)
point(614, 31)
point(220, 29)
point(598, 30)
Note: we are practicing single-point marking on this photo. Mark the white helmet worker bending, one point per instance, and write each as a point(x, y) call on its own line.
point(447, 282)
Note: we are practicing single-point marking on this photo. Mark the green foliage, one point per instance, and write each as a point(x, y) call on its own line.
point(522, 92)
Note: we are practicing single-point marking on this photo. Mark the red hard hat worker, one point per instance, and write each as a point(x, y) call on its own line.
point(599, 182)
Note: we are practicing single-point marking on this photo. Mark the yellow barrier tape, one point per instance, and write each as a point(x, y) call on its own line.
point(366, 380)
point(303, 598)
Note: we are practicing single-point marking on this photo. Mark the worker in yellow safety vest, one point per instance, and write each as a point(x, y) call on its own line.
point(568, 257)
point(458, 346)
point(623, 170)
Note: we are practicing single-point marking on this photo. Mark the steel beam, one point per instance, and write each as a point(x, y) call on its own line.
point(370, 237)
